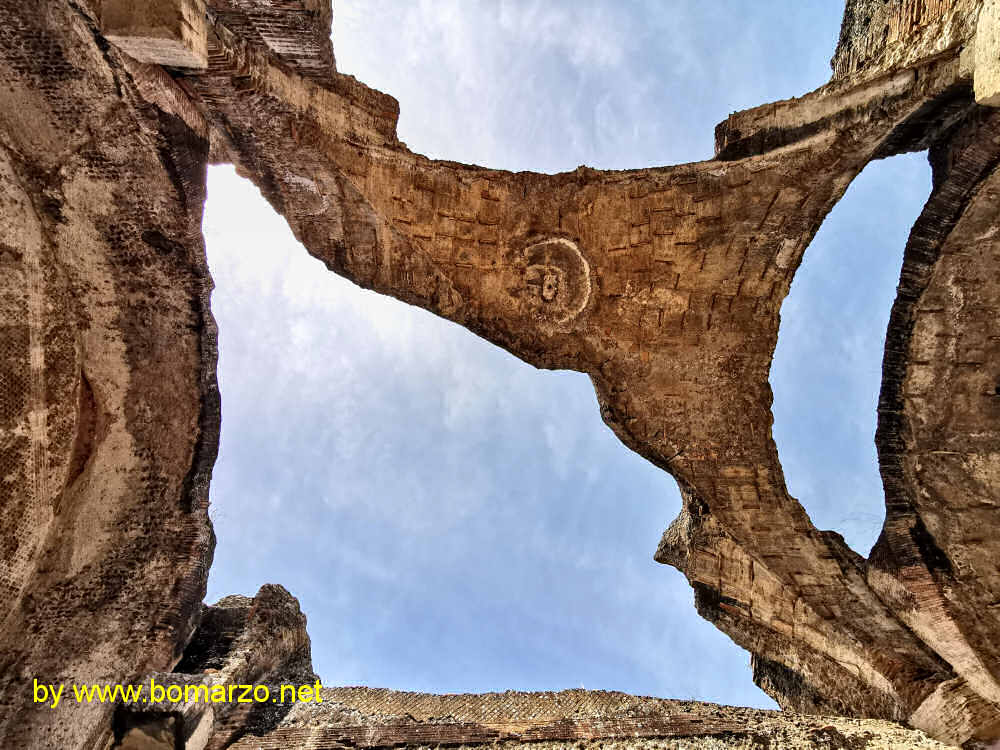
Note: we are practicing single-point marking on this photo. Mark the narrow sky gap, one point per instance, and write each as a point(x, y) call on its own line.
point(451, 519)
point(827, 367)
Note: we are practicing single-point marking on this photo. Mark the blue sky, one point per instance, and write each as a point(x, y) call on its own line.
point(450, 518)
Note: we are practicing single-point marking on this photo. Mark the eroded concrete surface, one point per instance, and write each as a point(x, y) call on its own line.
point(664, 285)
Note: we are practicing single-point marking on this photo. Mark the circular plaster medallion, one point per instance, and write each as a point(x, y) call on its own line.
point(557, 277)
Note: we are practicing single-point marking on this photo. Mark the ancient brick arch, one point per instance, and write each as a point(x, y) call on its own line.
point(664, 285)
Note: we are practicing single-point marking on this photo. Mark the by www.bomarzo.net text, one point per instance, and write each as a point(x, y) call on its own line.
point(154, 692)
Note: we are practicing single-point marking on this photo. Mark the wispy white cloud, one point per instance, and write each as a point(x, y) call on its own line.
point(589, 34)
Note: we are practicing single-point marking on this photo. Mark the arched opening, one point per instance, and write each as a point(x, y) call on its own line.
point(387, 503)
point(451, 519)
point(827, 368)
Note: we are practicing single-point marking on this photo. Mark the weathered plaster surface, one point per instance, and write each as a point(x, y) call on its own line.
point(987, 54)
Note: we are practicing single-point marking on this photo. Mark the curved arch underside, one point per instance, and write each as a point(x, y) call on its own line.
point(664, 285)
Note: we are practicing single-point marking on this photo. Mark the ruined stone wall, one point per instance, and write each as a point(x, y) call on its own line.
point(938, 435)
point(881, 35)
point(108, 407)
point(664, 285)
point(240, 640)
point(263, 641)
point(365, 718)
